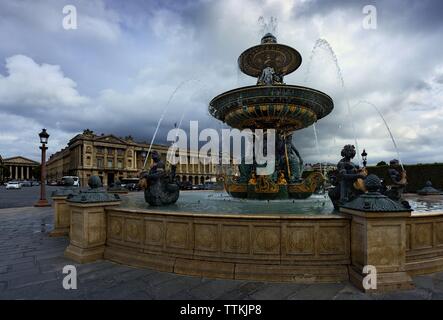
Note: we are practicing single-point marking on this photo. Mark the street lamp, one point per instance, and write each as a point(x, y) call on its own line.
point(364, 156)
point(44, 136)
point(143, 153)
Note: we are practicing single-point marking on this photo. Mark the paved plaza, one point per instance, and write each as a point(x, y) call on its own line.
point(24, 197)
point(31, 265)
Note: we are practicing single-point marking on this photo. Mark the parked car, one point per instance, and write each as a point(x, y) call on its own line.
point(75, 178)
point(185, 185)
point(130, 183)
point(13, 185)
point(35, 183)
point(26, 183)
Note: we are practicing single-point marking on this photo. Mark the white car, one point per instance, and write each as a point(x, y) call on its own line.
point(75, 178)
point(13, 185)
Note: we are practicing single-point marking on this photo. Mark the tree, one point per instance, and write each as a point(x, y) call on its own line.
point(36, 172)
point(381, 163)
point(4, 172)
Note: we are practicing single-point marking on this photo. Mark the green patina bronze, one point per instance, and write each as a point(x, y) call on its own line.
point(272, 104)
point(96, 193)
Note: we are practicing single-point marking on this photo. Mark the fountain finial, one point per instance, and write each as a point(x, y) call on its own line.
point(268, 38)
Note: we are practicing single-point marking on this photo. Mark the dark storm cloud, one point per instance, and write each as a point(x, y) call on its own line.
point(117, 72)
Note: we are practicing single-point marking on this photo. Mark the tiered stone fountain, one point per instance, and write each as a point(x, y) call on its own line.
point(272, 104)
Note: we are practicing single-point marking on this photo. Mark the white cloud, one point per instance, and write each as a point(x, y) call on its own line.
point(116, 73)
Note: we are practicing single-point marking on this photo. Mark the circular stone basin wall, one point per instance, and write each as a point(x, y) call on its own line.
point(305, 248)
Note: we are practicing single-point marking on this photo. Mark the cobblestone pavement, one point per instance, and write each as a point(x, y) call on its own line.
point(23, 197)
point(31, 265)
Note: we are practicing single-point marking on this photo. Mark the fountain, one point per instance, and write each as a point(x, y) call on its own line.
point(272, 104)
point(293, 236)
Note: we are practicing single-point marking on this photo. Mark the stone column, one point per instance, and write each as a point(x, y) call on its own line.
point(16, 173)
point(27, 174)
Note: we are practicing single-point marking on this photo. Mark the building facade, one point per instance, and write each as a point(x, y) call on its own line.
point(18, 168)
point(113, 158)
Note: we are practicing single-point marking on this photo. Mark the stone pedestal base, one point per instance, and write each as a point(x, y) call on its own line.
point(62, 217)
point(378, 239)
point(42, 203)
point(88, 230)
point(84, 255)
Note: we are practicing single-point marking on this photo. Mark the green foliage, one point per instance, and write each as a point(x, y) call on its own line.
point(36, 172)
point(417, 174)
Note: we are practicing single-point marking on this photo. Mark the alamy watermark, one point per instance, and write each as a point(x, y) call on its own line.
point(259, 147)
point(370, 280)
point(370, 20)
point(70, 280)
point(69, 21)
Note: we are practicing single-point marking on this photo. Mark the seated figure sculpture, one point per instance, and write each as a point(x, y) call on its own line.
point(269, 77)
point(396, 183)
point(160, 187)
point(347, 174)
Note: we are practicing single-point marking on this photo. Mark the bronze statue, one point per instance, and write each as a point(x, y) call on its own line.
point(347, 180)
point(396, 183)
point(160, 186)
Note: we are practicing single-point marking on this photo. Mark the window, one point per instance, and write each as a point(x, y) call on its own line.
point(88, 160)
point(130, 163)
point(100, 150)
point(120, 152)
point(110, 162)
point(120, 164)
point(88, 149)
point(110, 150)
point(100, 162)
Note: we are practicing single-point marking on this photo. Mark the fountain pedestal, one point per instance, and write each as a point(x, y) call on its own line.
point(62, 213)
point(88, 222)
point(378, 239)
point(62, 216)
point(88, 231)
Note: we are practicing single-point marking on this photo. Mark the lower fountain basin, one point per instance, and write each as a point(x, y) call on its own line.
point(212, 235)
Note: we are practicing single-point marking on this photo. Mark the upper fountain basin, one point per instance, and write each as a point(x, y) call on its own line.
point(282, 58)
point(282, 107)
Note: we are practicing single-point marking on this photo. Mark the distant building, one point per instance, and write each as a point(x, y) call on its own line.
point(322, 167)
point(18, 168)
point(112, 158)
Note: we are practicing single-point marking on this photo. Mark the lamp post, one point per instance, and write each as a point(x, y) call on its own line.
point(364, 156)
point(43, 140)
point(143, 153)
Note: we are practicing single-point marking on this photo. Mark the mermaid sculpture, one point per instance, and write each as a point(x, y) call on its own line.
point(160, 187)
point(348, 178)
point(289, 158)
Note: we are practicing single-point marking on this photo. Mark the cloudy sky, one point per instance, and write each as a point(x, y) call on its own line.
point(129, 62)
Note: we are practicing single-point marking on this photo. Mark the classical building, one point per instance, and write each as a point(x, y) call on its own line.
point(18, 168)
point(113, 158)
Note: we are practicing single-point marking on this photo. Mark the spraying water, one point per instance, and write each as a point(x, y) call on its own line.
point(316, 143)
point(163, 115)
point(267, 27)
point(386, 125)
point(322, 43)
